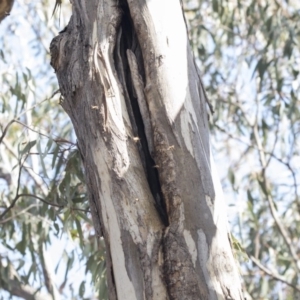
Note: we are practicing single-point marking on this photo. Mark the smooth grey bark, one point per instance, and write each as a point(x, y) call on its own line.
point(132, 90)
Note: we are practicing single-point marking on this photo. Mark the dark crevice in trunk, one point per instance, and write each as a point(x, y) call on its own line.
point(129, 40)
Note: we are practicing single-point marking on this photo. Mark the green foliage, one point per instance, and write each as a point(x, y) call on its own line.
point(248, 52)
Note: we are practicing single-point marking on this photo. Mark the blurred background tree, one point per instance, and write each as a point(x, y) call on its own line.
point(248, 54)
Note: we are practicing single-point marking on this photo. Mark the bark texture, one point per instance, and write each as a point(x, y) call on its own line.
point(134, 95)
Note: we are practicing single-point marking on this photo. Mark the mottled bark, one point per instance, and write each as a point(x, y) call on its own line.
point(134, 95)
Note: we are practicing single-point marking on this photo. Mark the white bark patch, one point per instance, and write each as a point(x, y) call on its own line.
point(181, 217)
point(203, 259)
point(209, 204)
point(159, 291)
point(191, 245)
point(125, 288)
point(95, 33)
point(219, 213)
point(189, 106)
point(133, 227)
point(223, 269)
point(150, 242)
point(202, 249)
point(171, 44)
point(185, 131)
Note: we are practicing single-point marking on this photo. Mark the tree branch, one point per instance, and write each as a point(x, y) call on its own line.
point(25, 111)
point(270, 200)
point(18, 214)
point(270, 273)
point(47, 272)
point(27, 292)
point(286, 164)
point(15, 287)
point(42, 200)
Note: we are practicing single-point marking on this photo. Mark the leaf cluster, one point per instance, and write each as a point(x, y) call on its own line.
point(248, 52)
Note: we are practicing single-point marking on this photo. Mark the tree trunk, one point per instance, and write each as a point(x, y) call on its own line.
point(132, 90)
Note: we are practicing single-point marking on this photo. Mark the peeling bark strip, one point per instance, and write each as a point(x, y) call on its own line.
point(132, 91)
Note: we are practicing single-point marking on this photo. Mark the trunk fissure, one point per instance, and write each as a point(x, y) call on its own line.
point(136, 103)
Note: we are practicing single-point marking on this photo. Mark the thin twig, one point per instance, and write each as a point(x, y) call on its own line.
point(37, 104)
point(270, 273)
point(262, 156)
point(32, 174)
point(275, 143)
point(38, 198)
point(5, 130)
point(18, 214)
point(22, 113)
point(270, 200)
point(57, 140)
point(51, 204)
point(41, 199)
point(17, 192)
point(286, 164)
point(49, 277)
